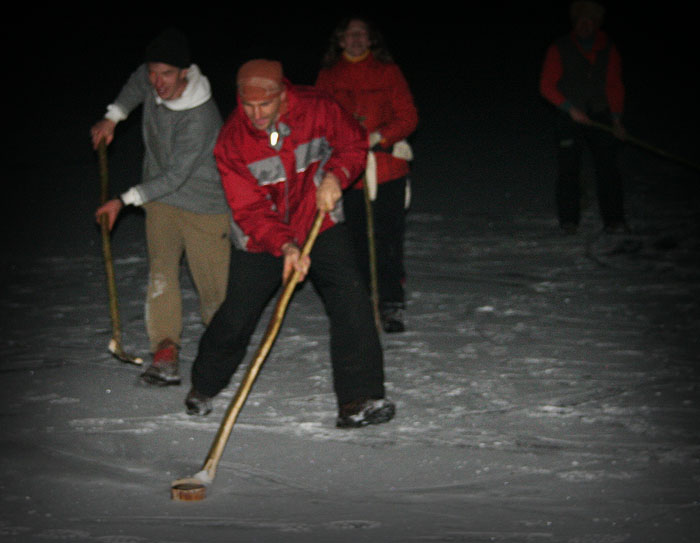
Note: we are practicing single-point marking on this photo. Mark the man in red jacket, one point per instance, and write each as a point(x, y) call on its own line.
point(359, 72)
point(285, 153)
point(581, 76)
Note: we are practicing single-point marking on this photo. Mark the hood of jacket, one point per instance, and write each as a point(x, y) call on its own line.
point(197, 91)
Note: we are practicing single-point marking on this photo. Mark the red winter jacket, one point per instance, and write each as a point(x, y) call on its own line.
point(378, 95)
point(272, 193)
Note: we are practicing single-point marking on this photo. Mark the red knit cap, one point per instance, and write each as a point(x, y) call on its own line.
point(259, 79)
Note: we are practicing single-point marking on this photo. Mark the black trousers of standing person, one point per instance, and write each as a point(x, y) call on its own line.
point(604, 148)
point(254, 278)
point(389, 217)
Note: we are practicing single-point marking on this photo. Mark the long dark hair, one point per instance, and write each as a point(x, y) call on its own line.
point(377, 46)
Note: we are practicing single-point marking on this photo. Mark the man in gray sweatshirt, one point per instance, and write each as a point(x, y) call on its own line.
point(180, 191)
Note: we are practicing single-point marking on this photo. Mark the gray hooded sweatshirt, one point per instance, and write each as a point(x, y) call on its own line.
point(179, 136)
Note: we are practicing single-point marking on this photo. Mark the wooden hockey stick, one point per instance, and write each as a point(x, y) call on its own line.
point(194, 488)
point(115, 344)
point(371, 247)
point(648, 146)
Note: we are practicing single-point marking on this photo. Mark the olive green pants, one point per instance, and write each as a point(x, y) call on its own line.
point(204, 240)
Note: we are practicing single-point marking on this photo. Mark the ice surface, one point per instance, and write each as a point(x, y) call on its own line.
point(546, 386)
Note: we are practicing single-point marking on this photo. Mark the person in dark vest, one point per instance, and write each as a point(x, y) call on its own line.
point(582, 77)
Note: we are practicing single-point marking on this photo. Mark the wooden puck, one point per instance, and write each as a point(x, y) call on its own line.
point(188, 490)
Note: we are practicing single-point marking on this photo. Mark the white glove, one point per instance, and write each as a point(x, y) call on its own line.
point(371, 175)
point(403, 150)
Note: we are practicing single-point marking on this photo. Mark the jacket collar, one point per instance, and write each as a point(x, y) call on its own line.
point(197, 91)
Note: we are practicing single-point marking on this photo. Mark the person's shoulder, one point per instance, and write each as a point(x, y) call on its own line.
point(306, 92)
point(331, 69)
point(305, 96)
point(390, 70)
point(233, 128)
point(604, 39)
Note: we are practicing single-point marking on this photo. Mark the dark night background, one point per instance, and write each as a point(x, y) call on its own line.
point(465, 68)
point(483, 144)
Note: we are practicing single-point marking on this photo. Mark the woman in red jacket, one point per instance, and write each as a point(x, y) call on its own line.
point(361, 75)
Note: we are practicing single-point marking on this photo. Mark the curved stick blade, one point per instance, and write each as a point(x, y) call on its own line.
point(208, 472)
point(119, 353)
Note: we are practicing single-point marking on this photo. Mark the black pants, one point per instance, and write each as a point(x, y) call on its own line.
point(389, 216)
point(604, 147)
point(254, 278)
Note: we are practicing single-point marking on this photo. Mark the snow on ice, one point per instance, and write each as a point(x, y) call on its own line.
point(546, 386)
point(545, 389)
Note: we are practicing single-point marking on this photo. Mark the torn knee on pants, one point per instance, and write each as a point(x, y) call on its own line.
point(158, 284)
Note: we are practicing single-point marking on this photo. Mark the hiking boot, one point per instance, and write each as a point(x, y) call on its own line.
point(197, 403)
point(164, 369)
point(391, 316)
point(364, 411)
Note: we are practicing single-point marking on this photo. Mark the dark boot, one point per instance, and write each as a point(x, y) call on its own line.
point(365, 411)
point(198, 404)
point(391, 315)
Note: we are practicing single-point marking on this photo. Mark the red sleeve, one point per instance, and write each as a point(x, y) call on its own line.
point(324, 81)
point(349, 143)
point(252, 211)
point(551, 73)
point(405, 116)
point(614, 88)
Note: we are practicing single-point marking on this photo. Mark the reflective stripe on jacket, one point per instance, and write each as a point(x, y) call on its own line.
point(271, 190)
